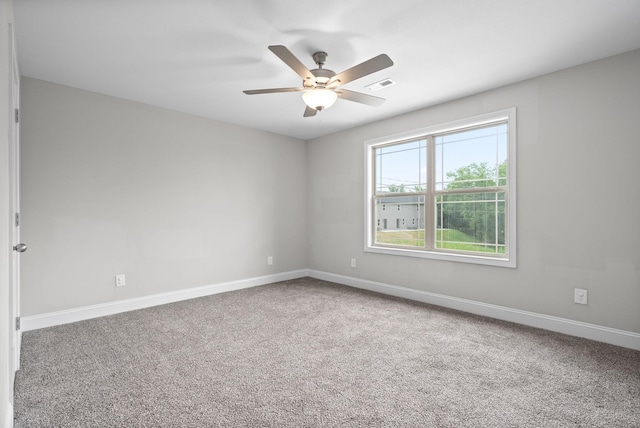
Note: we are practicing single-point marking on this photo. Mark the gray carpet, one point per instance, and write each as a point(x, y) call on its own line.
point(308, 353)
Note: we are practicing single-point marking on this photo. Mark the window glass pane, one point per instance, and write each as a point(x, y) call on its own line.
point(401, 167)
point(471, 222)
point(472, 158)
point(402, 225)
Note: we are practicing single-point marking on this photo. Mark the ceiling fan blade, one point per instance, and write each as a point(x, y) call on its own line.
point(308, 112)
point(272, 90)
point(377, 63)
point(360, 98)
point(290, 59)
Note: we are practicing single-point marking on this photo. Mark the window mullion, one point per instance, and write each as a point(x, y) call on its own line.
point(429, 198)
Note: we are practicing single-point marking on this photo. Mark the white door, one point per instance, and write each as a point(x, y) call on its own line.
point(14, 205)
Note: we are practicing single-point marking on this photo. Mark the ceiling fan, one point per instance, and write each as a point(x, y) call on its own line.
point(321, 86)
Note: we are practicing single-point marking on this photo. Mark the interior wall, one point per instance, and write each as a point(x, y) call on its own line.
point(176, 201)
point(171, 200)
point(578, 198)
point(6, 372)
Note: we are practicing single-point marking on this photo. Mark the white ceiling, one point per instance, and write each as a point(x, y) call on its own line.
point(196, 56)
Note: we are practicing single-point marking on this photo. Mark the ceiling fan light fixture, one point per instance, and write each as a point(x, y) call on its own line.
point(321, 86)
point(319, 98)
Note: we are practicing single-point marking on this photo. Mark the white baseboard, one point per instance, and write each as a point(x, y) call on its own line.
point(94, 311)
point(609, 335)
point(595, 332)
point(8, 422)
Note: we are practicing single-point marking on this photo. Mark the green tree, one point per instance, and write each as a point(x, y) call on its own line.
point(472, 175)
point(396, 188)
point(475, 214)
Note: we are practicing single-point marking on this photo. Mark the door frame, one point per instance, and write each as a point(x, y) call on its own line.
point(15, 335)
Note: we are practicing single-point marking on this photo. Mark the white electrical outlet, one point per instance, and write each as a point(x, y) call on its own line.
point(120, 282)
point(270, 260)
point(353, 263)
point(580, 296)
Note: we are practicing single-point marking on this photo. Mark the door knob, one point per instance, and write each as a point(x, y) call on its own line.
point(21, 248)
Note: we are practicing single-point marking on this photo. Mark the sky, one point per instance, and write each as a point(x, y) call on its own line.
point(406, 163)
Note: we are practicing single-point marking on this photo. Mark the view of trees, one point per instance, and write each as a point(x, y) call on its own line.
point(396, 188)
point(475, 215)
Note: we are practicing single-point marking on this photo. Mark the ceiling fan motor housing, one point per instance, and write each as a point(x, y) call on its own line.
point(322, 75)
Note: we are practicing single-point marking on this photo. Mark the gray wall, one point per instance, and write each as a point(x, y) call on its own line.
point(578, 179)
point(111, 186)
point(171, 200)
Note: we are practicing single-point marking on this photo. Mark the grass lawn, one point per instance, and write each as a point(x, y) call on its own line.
point(413, 238)
point(446, 239)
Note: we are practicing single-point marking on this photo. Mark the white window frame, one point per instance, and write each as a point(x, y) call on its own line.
point(509, 260)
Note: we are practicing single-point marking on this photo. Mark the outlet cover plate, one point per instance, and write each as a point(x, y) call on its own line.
point(120, 282)
point(580, 296)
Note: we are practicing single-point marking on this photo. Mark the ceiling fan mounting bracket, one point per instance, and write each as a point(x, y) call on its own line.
point(320, 58)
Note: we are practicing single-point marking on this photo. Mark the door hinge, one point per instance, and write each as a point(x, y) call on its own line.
point(17, 219)
point(17, 323)
point(17, 115)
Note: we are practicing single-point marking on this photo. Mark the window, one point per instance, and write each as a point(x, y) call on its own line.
point(460, 180)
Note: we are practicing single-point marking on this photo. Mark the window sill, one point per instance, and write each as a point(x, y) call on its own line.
point(450, 257)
